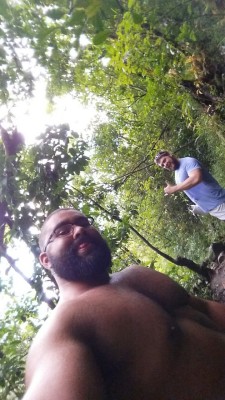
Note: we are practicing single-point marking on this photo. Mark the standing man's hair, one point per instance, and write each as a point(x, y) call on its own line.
point(160, 154)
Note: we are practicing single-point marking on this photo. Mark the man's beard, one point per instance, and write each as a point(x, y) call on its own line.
point(89, 268)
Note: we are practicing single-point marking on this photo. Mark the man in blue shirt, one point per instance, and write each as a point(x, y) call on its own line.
point(196, 182)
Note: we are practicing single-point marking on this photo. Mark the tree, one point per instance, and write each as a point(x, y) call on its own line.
point(18, 326)
point(161, 92)
point(157, 69)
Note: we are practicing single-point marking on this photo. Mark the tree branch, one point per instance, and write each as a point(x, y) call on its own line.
point(40, 293)
point(136, 168)
point(181, 261)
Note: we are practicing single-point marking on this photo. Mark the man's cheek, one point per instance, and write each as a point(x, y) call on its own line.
point(61, 247)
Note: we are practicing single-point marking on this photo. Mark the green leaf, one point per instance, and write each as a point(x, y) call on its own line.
point(193, 36)
point(77, 18)
point(73, 151)
point(100, 37)
point(93, 8)
point(4, 9)
point(137, 18)
point(55, 13)
point(131, 3)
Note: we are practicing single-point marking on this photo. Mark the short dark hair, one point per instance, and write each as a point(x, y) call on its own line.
point(160, 154)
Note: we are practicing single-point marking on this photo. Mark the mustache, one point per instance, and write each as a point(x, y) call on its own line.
point(83, 238)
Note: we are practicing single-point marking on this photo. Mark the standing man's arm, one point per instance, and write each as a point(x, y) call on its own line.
point(193, 179)
point(66, 371)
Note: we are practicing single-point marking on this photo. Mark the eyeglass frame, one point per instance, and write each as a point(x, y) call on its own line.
point(89, 219)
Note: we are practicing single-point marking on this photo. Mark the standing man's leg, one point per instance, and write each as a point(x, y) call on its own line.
point(219, 212)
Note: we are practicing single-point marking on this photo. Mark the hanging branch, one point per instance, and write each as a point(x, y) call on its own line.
point(137, 167)
point(40, 293)
point(181, 261)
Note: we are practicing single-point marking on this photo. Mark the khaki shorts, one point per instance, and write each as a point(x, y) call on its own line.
point(218, 212)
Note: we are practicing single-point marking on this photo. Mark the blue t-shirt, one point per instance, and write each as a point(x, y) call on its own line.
point(207, 194)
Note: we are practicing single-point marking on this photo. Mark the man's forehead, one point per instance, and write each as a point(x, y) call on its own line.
point(54, 220)
point(62, 215)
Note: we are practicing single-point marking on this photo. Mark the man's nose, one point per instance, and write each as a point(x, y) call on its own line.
point(77, 231)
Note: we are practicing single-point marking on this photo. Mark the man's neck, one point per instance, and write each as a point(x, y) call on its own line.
point(176, 163)
point(71, 290)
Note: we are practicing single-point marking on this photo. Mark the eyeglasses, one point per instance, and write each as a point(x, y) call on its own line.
point(67, 229)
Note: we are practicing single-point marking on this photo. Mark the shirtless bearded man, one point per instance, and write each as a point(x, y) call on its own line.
point(132, 335)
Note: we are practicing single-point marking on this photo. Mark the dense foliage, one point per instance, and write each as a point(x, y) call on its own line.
point(156, 68)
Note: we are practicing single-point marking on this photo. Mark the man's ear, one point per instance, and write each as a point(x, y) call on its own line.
point(43, 258)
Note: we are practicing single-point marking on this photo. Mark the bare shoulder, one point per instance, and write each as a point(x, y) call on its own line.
point(61, 352)
point(153, 284)
point(99, 319)
point(97, 336)
point(78, 318)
